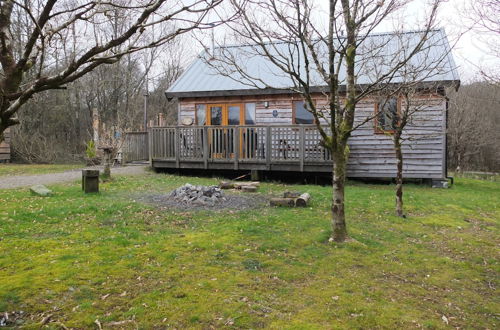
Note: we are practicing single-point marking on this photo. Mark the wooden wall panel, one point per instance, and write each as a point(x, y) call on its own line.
point(371, 154)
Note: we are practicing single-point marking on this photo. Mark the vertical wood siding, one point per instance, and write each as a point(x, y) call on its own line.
point(371, 154)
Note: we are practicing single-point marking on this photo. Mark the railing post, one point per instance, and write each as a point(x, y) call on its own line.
point(268, 147)
point(301, 147)
point(177, 147)
point(236, 146)
point(205, 146)
point(150, 145)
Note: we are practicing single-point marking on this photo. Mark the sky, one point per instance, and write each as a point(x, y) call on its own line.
point(469, 50)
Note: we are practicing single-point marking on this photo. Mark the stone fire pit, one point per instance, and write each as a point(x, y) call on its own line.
point(191, 197)
point(198, 195)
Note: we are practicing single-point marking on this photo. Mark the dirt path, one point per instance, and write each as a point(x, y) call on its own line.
point(17, 181)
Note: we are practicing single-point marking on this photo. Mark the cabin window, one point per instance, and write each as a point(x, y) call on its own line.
point(387, 115)
point(216, 115)
point(201, 110)
point(233, 115)
point(302, 115)
point(249, 113)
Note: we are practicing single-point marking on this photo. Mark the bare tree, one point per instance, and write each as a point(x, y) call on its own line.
point(415, 93)
point(482, 17)
point(328, 64)
point(87, 30)
point(473, 134)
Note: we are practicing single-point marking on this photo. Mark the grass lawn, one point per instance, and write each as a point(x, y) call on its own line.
point(27, 169)
point(80, 258)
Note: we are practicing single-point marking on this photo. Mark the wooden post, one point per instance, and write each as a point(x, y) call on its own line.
point(236, 146)
point(255, 175)
point(177, 147)
point(301, 147)
point(268, 147)
point(150, 145)
point(205, 146)
point(125, 148)
point(90, 181)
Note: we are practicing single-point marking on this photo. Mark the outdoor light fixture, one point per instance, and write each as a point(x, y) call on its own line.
point(266, 104)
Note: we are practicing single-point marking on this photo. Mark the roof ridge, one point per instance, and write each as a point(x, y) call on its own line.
point(376, 34)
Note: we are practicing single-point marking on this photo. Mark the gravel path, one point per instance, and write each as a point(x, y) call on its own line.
point(17, 181)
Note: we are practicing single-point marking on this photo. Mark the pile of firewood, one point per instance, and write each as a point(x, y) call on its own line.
point(291, 199)
point(243, 186)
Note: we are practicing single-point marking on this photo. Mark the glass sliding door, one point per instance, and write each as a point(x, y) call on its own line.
point(221, 140)
point(216, 115)
point(235, 117)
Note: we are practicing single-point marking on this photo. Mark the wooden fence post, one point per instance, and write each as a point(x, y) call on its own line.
point(150, 145)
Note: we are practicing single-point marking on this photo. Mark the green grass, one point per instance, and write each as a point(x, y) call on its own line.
point(27, 169)
point(108, 257)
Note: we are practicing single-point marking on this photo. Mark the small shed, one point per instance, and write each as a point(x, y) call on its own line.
point(5, 147)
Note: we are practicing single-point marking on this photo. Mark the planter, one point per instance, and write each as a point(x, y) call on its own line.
point(93, 161)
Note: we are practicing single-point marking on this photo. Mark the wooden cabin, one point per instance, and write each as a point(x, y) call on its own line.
point(225, 124)
point(5, 148)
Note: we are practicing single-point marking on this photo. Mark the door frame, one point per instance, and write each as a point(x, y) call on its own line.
point(225, 122)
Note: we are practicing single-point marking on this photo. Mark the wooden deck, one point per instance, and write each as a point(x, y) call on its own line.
point(280, 148)
point(268, 148)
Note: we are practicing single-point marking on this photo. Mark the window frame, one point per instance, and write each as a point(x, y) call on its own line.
point(294, 112)
point(196, 113)
point(225, 112)
point(377, 128)
point(244, 109)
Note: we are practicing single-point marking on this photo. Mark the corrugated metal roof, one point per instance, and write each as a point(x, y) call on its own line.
point(377, 54)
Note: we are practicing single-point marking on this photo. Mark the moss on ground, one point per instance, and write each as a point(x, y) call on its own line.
point(82, 258)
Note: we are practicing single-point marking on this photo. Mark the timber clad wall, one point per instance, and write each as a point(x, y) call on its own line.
point(371, 154)
point(5, 147)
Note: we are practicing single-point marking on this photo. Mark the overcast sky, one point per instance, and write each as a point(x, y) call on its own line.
point(469, 50)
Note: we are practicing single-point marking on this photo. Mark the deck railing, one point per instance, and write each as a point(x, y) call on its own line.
point(256, 144)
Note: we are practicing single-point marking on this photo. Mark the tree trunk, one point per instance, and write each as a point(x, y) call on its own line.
point(338, 213)
point(399, 175)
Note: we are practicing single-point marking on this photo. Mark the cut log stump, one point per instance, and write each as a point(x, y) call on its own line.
point(291, 194)
point(303, 200)
point(226, 185)
point(237, 185)
point(249, 188)
point(90, 181)
point(289, 202)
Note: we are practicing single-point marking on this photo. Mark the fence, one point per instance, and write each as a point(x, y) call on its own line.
point(136, 146)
